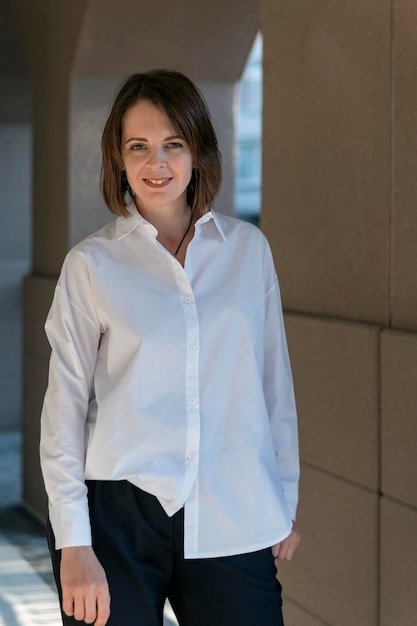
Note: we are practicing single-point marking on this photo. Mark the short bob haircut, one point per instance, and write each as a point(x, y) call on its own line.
point(182, 102)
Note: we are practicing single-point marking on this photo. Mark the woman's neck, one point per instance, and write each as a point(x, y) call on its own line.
point(173, 224)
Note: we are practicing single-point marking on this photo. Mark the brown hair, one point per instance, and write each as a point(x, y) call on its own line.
point(182, 102)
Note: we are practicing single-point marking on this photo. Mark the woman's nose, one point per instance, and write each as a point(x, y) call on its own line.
point(157, 157)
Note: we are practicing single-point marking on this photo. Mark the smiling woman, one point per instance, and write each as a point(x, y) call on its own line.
point(169, 430)
point(188, 120)
point(158, 163)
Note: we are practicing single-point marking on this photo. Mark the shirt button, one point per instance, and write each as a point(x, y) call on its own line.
point(193, 400)
point(188, 299)
point(192, 457)
point(193, 347)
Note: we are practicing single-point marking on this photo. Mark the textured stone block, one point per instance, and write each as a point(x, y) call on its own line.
point(334, 573)
point(335, 368)
point(326, 154)
point(295, 616)
point(218, 36)
point(404, 158)
point(398, 564)
point(399, 416)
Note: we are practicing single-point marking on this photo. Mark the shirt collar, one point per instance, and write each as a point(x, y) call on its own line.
point(211, 216)
point(126, 225)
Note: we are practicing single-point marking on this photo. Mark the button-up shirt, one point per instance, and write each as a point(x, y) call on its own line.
point(176, 379)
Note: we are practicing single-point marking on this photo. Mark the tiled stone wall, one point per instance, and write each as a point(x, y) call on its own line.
point(339, 207)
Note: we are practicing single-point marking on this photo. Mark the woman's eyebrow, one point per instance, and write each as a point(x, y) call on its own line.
point(143, 139)
point(136, 139)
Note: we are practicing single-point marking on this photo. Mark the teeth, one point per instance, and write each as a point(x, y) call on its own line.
point(157, 181)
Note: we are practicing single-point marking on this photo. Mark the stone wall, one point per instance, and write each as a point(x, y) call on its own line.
point(339, 207)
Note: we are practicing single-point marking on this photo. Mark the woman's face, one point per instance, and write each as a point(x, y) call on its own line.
point(158, 162)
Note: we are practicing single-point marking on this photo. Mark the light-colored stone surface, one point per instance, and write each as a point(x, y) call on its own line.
point(326, 140)
point(295, 616)
point(404, 157)
point(334, 573)
point(399, 416)
point(208, 41)
point(335, 369)
point(398, 564)
point(91, 97)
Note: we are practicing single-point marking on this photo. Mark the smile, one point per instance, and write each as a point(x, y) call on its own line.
point(157, 182)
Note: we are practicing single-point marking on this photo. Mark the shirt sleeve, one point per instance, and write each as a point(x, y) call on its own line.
point(73, 331)
point(279, 391)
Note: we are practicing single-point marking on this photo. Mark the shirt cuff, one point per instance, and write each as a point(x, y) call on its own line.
point(71, 524)
point(291, 496)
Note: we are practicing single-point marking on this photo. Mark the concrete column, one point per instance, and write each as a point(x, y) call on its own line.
point(15, 209)
point(15, 204)
point(48, 31)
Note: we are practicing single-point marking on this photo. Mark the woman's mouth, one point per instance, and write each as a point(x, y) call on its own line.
point(157, 182)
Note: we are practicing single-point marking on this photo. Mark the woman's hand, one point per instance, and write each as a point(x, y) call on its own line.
point(284, 550)
point(85, 592)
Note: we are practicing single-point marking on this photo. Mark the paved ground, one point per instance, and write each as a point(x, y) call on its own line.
point(27, 591)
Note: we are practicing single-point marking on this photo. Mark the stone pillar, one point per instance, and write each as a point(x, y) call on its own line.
point(339, 197)
point(48, 31)
point(15, 209)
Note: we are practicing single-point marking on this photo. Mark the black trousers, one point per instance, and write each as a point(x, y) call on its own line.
point(141, 550)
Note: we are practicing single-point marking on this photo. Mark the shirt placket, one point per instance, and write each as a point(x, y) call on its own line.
point(192, 391)
point(191, 493)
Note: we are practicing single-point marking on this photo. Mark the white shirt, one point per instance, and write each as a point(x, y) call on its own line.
point(176, 379)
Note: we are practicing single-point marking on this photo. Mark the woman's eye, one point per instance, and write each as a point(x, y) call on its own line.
point(174, 144)
point(137, 146)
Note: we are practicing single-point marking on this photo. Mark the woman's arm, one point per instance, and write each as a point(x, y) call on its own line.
point(280, 400)
point(279, 396)
point(74, 333)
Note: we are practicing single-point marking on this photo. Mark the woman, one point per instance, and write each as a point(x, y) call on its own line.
point(169, 433)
